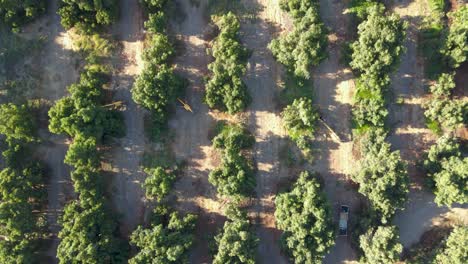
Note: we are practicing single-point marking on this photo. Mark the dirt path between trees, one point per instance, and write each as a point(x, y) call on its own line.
point(262, 79)
point(126, 155)
point(333, 88)
point(410, 134)
point(191, 145)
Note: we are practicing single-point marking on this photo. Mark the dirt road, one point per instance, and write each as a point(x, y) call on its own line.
point(262, 79)
point(125, 157)
point(334, 87)
point(191, 145)
point(411, 136)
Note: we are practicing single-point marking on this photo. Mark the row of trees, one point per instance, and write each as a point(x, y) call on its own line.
point(14, 14)
point(89, 231)
point(305, 45)
point(157, 87)
point(169, 236)
point(225, 89)
point(21, 186)
point(235, 177)
point(87, 16)
point(381, 174)
point(451, 48)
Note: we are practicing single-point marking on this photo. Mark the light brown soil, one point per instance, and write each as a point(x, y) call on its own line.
point(193, 192)
point(411, 136)
point(124, 159)
point(334, 87)
point(263, 78)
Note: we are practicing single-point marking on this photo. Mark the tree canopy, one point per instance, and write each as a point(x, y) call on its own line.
point(455, 47)
point(158, 183)
point(304, 215)
point(300, 120)
point(455, 250)
point(381, 245)
point(447, 171)
point(235, 176)
point(15, 13)
point(225, 89)
point(87, 15)
point(167, 240)
point(382, 175)
point(236, 243)
point(305, 45)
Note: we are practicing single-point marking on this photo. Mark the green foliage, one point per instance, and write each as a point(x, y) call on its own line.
point(235, 176)
point(86, 15)
point(380, 43)
point(448, 113)
point(166, 241)
point(456, 248)
point(444, 85)
point(455, 48)
point(15, 13)
point(225, 89)
point(158, 50)
point(306, 44)
point(21, 186)
point(81, 112)
point(237, 243)
point(381, 245)
point(451, 183)
point(382, 175)
point(305, 217)
point(300, 120)
point(374, 55)
point(361, 7)
point(156, 88)
point(16, 123)
point(447, 169)
point(158, 183)
point(430, 42)
point(233, 138)
point(88, 235)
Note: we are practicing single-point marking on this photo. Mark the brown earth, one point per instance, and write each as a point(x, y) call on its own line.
point(334, 88)
point(123, 162)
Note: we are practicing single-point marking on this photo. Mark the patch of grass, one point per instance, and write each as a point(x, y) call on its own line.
point(295, 88)
point(430, 43)
point(160, 157)
point(434, 126)
point(220, 7)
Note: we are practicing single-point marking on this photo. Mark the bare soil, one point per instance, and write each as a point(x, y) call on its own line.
point(334, 88)
point(123, 162)
point(410, 134)
point(191, 145)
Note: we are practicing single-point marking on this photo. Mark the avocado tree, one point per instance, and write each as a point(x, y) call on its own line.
point(304, 216)
point(237, 242)
point(382, 175)
point(305, 45)
point(167, 240)
point(381, 245)
point(88, 16)
point(225, 89)
point(455, 248)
